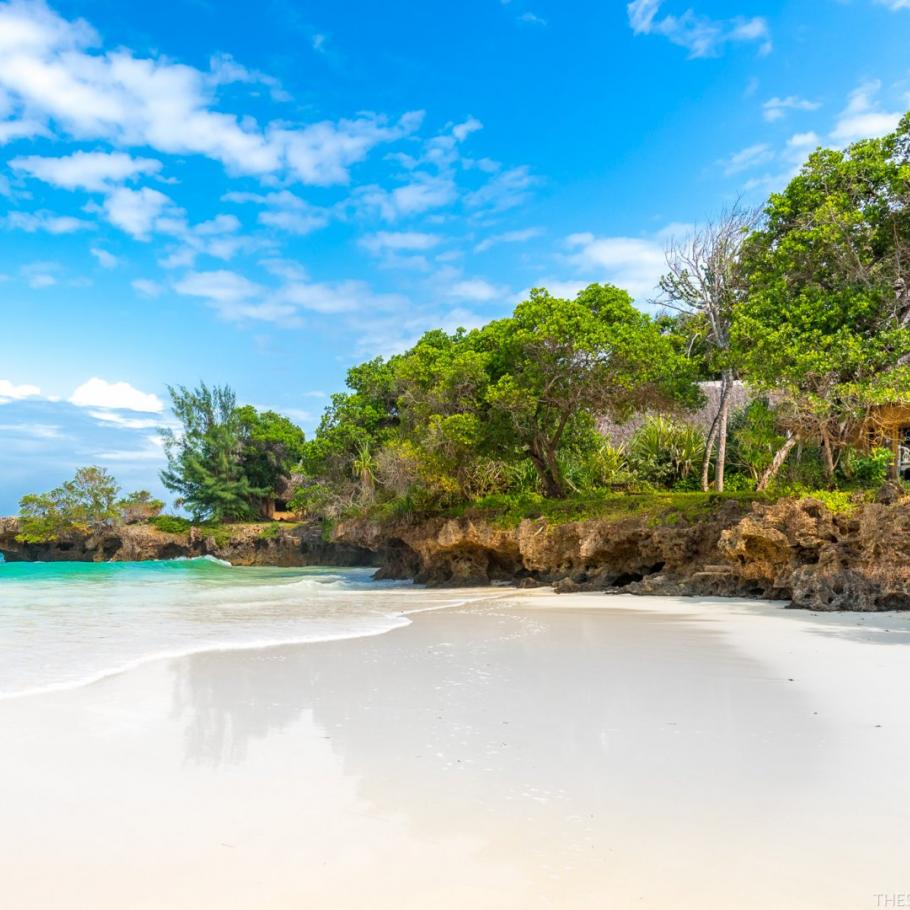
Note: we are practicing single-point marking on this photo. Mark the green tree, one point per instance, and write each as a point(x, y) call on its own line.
point(87, 503)
point(557, 365)
point(271, 445)
point(825, 327)
point(139, 506)
point(205, 460)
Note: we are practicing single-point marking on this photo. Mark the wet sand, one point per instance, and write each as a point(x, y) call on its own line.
point(523, 751)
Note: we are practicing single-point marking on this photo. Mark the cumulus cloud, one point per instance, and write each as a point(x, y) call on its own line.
point(55, 75)
point(285, 211)
point(138, 212)
point(477, 290)
point(424, 193)
point(863, 117)
point(120, 396)
point(236, 297)
point(701, 35)
point(632, 263)
point(94, 171)
point(10, 391)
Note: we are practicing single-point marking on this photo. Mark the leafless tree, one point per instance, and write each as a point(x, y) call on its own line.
point(704, 282)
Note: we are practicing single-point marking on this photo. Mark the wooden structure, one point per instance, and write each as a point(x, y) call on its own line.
point(277, 508)
point(889, 426)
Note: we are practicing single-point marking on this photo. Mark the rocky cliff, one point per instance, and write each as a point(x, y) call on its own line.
point(795, 549)
point(241, 545)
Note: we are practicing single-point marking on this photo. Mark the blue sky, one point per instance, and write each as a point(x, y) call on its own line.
point(265, 193)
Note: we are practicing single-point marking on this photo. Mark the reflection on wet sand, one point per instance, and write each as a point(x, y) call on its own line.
point(489, 709)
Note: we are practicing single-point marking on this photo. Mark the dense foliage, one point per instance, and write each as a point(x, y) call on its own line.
point(510, 406)
point(572, 400)
point(86, 503)
point(226, 461)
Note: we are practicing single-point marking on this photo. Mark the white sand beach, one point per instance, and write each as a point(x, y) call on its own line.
point(525, 750)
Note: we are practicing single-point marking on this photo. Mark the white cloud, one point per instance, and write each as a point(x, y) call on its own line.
point(530, 18)
point(285, 211)
point(220, 286)
point(94, 171)
point(40, 274)
point(138, 212)
point(105, 259)
point(398, 241)
point(776, 108)
point(11, 130)
point(477, 290)
point(504, 191)
point(632, 263)
point(10, 391)
point(461, 131)
point(54, 73)
point(894, 5)
point(147, 288)
point(31, 222)
point(519, 236)
point(747, 158)
point(234, 296)
point(424, 193)
point(128, 423)
point(321, 153)
point(863, 117)
point(803, 141)
point(121, 396)
point(152, 450)
point(31, 430)
point(700, 35)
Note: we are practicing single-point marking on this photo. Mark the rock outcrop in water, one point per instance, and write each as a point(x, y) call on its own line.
point(241, 545)
point(794, 549)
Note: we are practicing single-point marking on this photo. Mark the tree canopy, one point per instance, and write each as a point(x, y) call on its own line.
point(226, 460)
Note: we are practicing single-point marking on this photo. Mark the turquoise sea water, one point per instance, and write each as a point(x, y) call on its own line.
point(63, 624)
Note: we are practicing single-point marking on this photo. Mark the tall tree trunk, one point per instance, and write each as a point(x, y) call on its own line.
point(724, 416)
point(709, 449)
point(551, 479)
point(779, 458)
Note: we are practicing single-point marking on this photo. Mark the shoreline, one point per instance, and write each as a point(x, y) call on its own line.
point(815, 554)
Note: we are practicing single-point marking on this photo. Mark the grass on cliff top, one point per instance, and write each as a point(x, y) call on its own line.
point(219, 531)
point(660, 507)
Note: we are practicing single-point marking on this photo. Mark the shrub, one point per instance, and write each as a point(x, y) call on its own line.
point(867, 470)
point(665, 452)
point(754, 438)
point(139, 506)
point(171, 524)
point(84, 504)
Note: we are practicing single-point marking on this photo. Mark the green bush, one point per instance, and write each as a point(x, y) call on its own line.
point(171, 524)
point(84, 504)
point(664, 452)
point(867, 470)
point(754, 438)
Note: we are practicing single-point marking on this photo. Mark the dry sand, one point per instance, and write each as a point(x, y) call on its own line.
point(525, 751)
